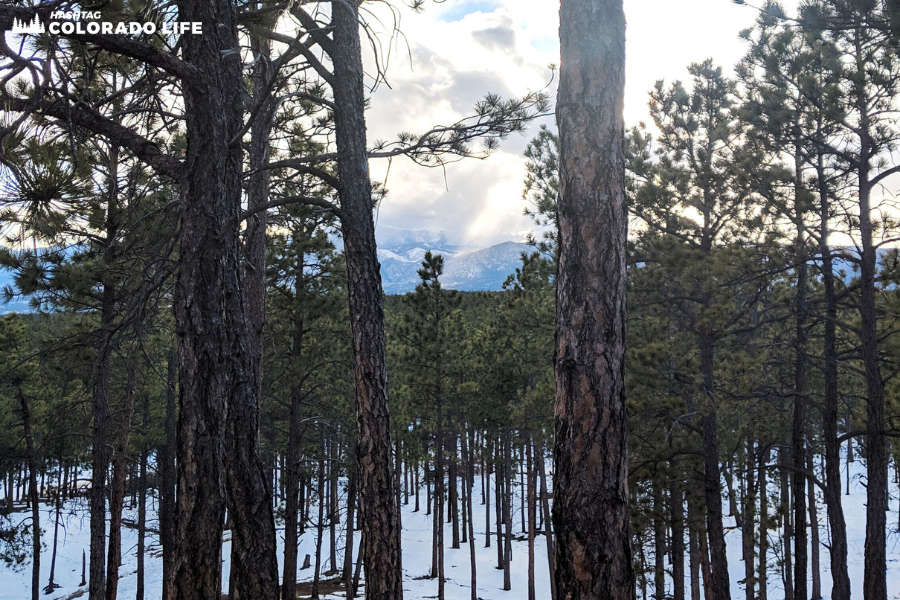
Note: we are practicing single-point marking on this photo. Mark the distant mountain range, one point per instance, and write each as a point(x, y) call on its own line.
point(466, 268)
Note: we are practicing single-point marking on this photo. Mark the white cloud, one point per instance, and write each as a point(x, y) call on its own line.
point(454, 53)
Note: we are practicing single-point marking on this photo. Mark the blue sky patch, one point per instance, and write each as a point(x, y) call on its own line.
point(457, 10)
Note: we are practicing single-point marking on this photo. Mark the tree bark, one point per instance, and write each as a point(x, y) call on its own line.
point(762, 577)
point(840, 588)
point(167, 492)
point(712, 479)
point(292, 461)
point(381, 515)
point(676, 510)
point(798, 430)
point(34, 497)
point(216, 371)
point(548, 527)
point(591, 489)
point(254, 565)
point(532, 521)
point(117, 492)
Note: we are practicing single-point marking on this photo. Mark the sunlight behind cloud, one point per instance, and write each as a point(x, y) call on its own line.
point(453, 53)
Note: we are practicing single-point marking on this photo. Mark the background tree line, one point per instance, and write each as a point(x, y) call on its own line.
point(200, 334)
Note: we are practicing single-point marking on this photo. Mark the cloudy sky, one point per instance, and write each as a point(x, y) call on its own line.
point(455, 52)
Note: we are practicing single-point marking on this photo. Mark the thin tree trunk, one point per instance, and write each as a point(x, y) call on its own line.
point(840, 589)
point(332, 505)
point(348, 547)
point(51, 584)
point(532, 521)
point(720, 585)
point(705, 563)
point(814, 528)
point(117, 493)
point(320, 522)
point(34, 497)
point(762, 578)
point(507, 510)
point(748, 517)
point(798, 431)
point(416, 476)
point(787, 564)
point(548, 526)
point(473, 573)
point(295, 435)
point(676, 511)
point(694, 550)
point(167, 493)
point(590, 509)
point(487, 498)
point(659, 544)
point(142, 499)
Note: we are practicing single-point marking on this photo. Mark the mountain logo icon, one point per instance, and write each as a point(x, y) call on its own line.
point(33, 26)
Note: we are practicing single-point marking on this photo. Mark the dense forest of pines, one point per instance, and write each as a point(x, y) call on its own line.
point(209, 348)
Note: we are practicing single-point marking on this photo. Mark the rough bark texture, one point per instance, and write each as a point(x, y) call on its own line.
point(380, 513)
point(292, 463)
point(34, 497)
point(100, 413)
point(840, 588)
point(254, 566)
point(117, 493)
point(719, 582)
point(214, 358)
point(254, 570)
point(167, 493)
point(798, 441)
point(590, 514)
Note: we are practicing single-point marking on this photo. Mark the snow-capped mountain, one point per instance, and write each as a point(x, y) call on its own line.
point(467, 268)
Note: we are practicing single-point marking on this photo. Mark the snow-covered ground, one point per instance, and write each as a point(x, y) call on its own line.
point(417, 527)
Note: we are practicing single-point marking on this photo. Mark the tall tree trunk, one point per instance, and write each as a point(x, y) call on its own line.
point(117, 492)
point(381, 515)
point(875, 576)
point(142, 525)
point(787, 538)
point(453, 495)
point(320, 522)
point(217, 374)
point(100, 407)
point(532, 521)
point(292, 461)
point(51, 584)
point(813, 528)
point(676, 510)
point(548, 527)
point(487, 497)
point(694, 549)
point(167, 492)
point(254, 566)
point(348, 547)
point(473, 573)
point(34, 497)
point(798, 431)
point(590, 511)
point(332, 503)
point(659, 544)
point(507, 509)
point(748, 517)
point(840, 588)
point(762, 577)
point(712, 480)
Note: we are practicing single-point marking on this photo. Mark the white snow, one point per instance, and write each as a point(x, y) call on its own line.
point(417, 527)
